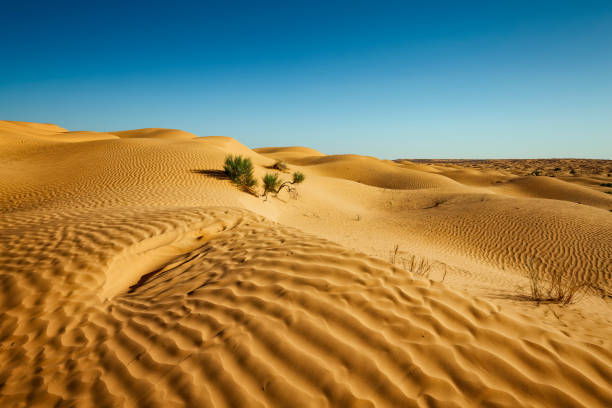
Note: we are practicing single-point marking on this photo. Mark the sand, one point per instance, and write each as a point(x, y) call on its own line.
point(131, 277)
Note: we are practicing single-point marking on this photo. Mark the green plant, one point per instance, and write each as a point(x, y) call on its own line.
point(240, 171)
point(606, 184)
point(572, 171)
point(608, 192)
point(271, 183)
point(557, 169)
point(298, 177)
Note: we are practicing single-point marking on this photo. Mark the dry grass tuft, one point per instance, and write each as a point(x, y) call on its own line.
point(419, 266)
point(554, 287)
point(280, 166)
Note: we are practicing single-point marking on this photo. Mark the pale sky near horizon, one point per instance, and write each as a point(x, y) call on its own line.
point(392, 79)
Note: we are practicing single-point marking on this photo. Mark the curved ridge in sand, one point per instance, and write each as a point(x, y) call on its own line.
point(552, 188)
point(364, 169)
point(291, 150)
point(155, 133)
point(29, 127)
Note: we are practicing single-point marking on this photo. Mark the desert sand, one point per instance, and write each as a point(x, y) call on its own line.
point(130, 277)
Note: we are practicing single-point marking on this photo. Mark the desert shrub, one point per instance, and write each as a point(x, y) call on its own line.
point(553, 287)
point(535, 173)
point(274, 185)
point(271, 183)
point(557, 169)
point(240, 171)
point(280, 166)
point(608, 192)
point(298, 177)
point(572, 171)
point(606, 184)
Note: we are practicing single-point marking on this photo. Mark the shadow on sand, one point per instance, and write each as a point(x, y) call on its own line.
point(218, 174)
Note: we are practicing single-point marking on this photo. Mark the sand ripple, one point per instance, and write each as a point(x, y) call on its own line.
point(240, 311)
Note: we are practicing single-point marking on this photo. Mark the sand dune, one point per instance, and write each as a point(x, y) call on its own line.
point(22, 129)
point(547, 187)
point(130, 277)
point(362, 169)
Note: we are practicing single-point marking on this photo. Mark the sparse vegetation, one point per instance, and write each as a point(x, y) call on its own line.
point(606, 184)
point(240, 171)
point(419, 266)
point(608, 192)
point(393, 255)
point(535, 173)
point(557, 169)
point(553, 287)
point(572, 171)
point(298, 177)
point(280, 166)
point(272, 184)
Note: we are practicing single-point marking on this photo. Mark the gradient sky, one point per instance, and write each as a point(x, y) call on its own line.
point(461, 79)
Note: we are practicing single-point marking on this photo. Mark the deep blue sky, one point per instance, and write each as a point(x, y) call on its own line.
point(391, 79)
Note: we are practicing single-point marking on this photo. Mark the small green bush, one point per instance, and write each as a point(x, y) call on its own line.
point(298, 177)
point(271, 183)
point(606, 184)
point(240, 171)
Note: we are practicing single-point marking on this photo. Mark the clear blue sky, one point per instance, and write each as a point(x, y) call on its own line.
point(479, 79)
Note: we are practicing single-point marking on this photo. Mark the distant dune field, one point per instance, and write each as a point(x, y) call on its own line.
point(131, 277)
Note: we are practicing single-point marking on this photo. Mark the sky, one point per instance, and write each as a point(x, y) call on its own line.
point(392, 79)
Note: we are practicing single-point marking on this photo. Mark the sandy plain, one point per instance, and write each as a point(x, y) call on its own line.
point(131, 277)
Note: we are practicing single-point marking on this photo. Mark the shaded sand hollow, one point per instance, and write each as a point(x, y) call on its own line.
point(132, 277)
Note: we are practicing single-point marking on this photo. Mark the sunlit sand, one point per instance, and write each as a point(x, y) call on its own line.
point(132, 277)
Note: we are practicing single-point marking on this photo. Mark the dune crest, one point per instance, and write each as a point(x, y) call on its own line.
point(156, 133)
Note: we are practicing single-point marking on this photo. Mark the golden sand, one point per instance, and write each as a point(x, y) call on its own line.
point(130, 278)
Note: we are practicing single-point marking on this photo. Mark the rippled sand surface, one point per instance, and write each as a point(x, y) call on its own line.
point(132, 277)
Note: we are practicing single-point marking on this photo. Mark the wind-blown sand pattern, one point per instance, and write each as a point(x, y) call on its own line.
point(129, 278)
